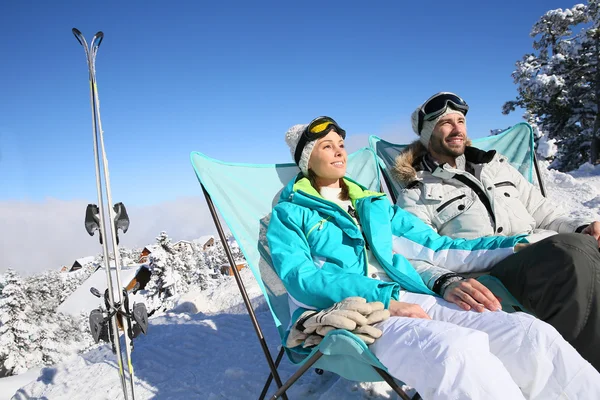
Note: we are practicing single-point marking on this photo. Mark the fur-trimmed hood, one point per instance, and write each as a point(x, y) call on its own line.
point(404, 169)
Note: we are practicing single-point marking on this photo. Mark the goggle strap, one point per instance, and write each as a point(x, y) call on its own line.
point(300, 146)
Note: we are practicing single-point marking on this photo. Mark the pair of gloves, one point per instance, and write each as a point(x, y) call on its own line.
point(353, 314)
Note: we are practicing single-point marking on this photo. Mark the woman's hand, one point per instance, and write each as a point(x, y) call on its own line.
point(410, 310)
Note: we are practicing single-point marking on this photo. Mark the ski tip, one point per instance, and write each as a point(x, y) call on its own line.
point(78, 36)
point(97, 39)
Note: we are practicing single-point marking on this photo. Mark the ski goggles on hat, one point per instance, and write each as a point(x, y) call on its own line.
point(438, 104)
point(318, 128)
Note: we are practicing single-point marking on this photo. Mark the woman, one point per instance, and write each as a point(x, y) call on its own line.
point(331, 239)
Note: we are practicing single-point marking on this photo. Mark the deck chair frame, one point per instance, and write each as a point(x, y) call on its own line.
point(273, 365)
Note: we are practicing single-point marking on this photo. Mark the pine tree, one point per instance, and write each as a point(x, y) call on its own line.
point(559, 83)
point(201, 276)
point(187, 264)
point(161, 286)
point(46, 291)
point(18, 337)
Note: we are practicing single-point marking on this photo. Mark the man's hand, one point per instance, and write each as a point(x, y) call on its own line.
point(520, 246)
point(410, 310)
point(471, 294)
point(593, 229)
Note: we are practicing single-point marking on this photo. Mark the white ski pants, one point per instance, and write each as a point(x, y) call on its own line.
point(491, 355)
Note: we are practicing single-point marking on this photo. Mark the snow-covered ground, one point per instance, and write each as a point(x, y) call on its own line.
point(206, 347)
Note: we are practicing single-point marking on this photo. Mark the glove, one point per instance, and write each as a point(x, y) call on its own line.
point(312, 340)
point(353, 314)
point(347, 314)
point(367, 332)
point(295, 338)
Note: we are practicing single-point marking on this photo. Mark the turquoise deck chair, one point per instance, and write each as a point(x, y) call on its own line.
point(516, 143)
point(244, 195)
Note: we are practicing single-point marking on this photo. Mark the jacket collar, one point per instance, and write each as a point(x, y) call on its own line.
point(415, 158)
point(299, 190)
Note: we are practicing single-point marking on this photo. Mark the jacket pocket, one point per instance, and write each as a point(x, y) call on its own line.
point(505, 183)
point(506, 190)
point(455, 203)
point(447, 203)
point(317, 226)
point(513, 214)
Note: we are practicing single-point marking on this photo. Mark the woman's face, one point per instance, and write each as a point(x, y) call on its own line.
point(328, 160)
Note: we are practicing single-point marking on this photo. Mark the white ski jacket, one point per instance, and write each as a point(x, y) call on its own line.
point(487, 197)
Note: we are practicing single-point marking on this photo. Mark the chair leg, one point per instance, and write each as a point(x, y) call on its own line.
point(388, 378)
point(270, 378)
point(309, 363)
point(241, 287)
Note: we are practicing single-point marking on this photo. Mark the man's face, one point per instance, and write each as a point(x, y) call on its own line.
point(449, 136)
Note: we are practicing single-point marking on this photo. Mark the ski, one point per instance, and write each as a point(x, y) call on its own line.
point(114, 306)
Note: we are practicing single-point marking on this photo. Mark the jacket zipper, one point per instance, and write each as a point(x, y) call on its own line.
point(349, 216)
point(319, 225)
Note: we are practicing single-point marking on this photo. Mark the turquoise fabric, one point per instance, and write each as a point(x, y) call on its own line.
point(304, 227)
point(244, 195)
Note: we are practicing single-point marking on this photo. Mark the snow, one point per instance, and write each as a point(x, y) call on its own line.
point(203, 239)
point(211, 354)
point(547, 147)
point(12, 384)
point(86, 260)
point(82, 300)
point(206, 346)
point(577, 192)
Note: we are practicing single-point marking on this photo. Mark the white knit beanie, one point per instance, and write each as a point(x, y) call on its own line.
point(428, 126)
point(292, 137)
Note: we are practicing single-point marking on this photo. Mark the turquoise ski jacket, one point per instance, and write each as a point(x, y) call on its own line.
point(318, 250)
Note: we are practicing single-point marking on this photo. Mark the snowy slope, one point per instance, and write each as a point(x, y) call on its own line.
point(577, 192)
point(201, 356)
point(207, 348)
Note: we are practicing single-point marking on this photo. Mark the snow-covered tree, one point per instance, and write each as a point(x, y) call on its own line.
point(46, 291)
point(202, 273)
point(18, 336)
point(162, 282)
point(2, 282)
point(186, 267)
point(71, 281)
point(128, 256)
point(559, 83)
point(62, 335)
point(216, 256)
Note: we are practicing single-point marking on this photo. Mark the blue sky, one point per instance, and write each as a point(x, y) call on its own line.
point(228, 78)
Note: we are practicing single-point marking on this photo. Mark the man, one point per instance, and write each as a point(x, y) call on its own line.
point(462, 191)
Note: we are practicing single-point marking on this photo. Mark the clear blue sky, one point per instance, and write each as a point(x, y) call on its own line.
point(227, 78)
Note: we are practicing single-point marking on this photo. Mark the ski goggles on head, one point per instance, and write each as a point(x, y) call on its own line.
point(438, 104)
point(318, 128)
